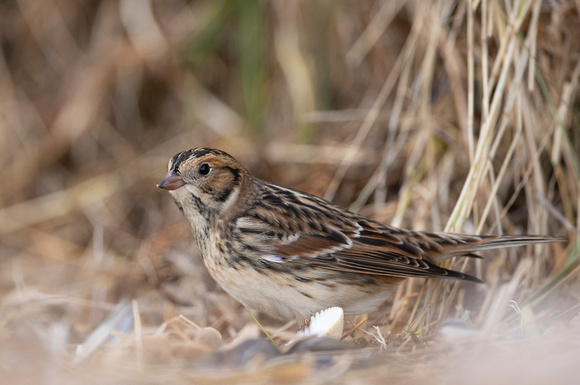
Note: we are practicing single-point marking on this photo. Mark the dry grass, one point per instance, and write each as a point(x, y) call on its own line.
point(428, 115)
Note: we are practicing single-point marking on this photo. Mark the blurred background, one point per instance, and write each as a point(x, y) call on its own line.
point(444, 115)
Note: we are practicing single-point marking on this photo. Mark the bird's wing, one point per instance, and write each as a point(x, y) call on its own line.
point(292, 227)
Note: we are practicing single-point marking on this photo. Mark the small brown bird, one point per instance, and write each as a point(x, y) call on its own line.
point(290, 254)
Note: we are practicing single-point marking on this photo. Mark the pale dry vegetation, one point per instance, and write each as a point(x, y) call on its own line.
point(456, 116)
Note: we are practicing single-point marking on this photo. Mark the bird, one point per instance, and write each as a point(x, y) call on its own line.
point(290, 254)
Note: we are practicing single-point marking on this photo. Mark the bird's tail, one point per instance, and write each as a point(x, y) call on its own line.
point(466, 245)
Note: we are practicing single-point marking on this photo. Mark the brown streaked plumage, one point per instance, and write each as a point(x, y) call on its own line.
point(290, 254)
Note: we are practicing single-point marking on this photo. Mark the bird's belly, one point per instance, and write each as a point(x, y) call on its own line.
point(280, 293)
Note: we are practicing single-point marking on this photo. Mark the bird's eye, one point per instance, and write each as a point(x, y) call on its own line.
point(204, 169)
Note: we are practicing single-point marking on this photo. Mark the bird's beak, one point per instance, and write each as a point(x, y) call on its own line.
point(171, 181)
